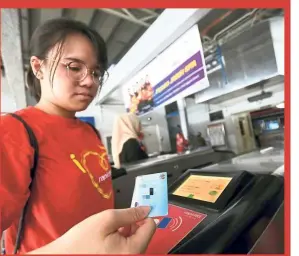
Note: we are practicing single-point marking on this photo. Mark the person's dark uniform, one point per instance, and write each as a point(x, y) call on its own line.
point(132, 152)
point(201, 141)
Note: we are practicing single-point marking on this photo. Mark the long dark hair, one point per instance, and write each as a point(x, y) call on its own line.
point(54, 32)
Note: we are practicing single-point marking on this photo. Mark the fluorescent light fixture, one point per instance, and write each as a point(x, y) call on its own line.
point(263, 95)
point(280, 105)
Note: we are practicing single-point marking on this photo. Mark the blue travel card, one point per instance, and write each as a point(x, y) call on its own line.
point(151, 190)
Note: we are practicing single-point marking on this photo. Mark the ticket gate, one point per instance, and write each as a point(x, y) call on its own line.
point(219, 212)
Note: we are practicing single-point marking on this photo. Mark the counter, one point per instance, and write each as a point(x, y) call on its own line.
point(265, 161)
point(154, 161)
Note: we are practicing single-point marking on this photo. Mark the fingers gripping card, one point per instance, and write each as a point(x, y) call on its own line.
point(151, 190)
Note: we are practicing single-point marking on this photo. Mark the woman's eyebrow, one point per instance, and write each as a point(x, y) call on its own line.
point(74, 59)
point(81, 61)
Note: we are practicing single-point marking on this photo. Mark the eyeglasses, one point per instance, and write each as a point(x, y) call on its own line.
point(78, 71)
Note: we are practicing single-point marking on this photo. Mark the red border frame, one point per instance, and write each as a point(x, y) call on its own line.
point(287, 87)
point(149, 4)
point(198, 4)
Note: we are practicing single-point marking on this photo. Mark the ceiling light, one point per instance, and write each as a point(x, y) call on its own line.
point(280, 105)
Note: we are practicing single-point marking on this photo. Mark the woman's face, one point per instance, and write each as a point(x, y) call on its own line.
point(67, 92)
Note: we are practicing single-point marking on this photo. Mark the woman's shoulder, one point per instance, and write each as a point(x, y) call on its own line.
point(13, 131)
point(10, 122)
point(25, 114)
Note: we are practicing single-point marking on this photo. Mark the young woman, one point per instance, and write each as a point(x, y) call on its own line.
point(126, 146)
point(73, 178)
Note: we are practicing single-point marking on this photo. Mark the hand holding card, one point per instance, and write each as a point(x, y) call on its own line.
point(151, 190)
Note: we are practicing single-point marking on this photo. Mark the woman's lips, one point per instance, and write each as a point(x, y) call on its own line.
point(83, 95)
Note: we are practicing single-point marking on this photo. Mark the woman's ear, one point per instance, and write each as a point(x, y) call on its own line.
point(36, 65)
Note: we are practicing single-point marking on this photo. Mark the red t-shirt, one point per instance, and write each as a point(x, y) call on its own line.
point(72, 181)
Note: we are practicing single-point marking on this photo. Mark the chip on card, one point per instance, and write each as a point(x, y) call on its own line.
point(151, 190)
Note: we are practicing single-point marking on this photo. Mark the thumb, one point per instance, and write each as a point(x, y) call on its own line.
point(116, 219)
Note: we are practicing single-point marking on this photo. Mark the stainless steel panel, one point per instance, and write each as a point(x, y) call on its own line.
point(255, 162)
point(249, 58)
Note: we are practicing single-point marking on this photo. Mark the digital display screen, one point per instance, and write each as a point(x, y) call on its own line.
point(272, 125)
point(204, 188)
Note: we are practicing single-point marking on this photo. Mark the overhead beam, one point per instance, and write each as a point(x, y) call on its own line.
point(150, 12)
point(136, 36)
point(104, 24)
point(113, 31)
point(47, 14)
point(169, 26)
point(128, 13)
point(148, 18)
point(110, 38)
point(84, 15)
point(125, 16)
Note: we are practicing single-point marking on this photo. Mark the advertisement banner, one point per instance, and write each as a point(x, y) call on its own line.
point(176, 73)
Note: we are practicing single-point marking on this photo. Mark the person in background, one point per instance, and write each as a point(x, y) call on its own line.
point(73, 176)
point(140, 138)
point(200, 140)
point(257, 133)
point(126, 134)
point(181, 143)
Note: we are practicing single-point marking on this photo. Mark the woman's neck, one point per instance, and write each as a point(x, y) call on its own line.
point(53, 109)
